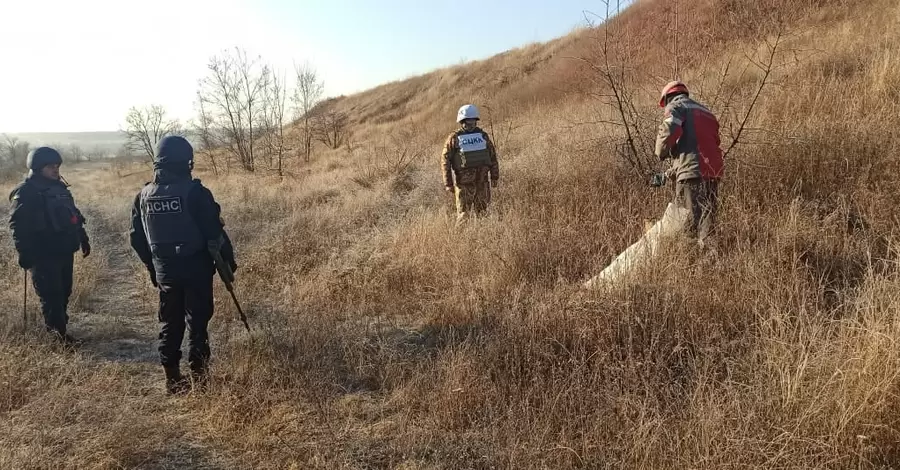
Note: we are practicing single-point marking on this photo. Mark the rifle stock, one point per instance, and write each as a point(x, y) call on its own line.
point(226, 275)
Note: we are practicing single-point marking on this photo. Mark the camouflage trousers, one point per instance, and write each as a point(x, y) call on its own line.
point(472, 198)
point(701, 197)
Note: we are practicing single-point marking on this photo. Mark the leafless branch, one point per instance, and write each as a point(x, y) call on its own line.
point(273, 121)
point(145, 127)
point(233, 99)
point(307, 94)
point(13, 151)
point(330, 128)
point(767, 68)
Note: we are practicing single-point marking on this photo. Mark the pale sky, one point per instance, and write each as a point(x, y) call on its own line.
point(79, 65)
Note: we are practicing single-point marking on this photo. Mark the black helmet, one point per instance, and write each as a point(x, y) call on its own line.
point(41, 157)
point(174, 149)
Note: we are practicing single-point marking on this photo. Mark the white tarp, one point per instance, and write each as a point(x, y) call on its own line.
point(643, 250)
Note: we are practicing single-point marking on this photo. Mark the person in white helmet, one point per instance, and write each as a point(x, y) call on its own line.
point(469, 164)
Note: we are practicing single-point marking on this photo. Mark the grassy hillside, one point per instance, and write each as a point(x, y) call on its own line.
point(386, 338)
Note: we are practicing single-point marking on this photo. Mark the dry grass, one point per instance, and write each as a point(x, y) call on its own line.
point(385, 338)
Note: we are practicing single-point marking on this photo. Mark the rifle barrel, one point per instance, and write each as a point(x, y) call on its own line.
point(239, 309)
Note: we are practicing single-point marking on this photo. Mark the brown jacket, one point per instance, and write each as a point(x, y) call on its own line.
point(451, 148)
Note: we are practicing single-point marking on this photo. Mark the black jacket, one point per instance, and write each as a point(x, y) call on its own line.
point(43, 219)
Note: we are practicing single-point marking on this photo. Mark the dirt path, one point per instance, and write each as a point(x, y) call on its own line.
point(118, 326)
point(121, 327)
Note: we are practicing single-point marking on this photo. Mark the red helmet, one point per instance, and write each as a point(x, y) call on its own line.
point(671, 87)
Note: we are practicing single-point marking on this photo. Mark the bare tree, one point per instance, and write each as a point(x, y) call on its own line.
point(615, 76)
point(13, 151)
point(330, 128)
point(75, 153)
point(253, 86)
point(233, 99)
point(96, 152)
point(307, 94)
point(220, 111)
point(767, 65)
point(275, 99)
point(146, 126)
point(208, 138)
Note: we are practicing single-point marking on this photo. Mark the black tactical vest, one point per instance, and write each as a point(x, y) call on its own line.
point(62, 216)
point(170, 229)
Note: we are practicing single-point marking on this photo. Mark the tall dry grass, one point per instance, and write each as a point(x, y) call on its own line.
point(387, 338)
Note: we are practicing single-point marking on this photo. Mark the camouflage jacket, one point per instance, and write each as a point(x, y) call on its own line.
point(450, 172)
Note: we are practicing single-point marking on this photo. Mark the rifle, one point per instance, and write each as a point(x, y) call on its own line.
point(226, 274)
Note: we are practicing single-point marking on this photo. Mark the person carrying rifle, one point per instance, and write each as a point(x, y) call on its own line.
point(176, 230)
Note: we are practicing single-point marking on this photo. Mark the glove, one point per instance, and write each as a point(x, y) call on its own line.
point(25, 262)
point(85, 248)
point(494, 183)
point(658, 180)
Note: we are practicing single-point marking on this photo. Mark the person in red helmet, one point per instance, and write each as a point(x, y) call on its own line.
point(689, 136)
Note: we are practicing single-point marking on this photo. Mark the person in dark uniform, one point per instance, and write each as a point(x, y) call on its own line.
point(47, 229)
point(175, 223)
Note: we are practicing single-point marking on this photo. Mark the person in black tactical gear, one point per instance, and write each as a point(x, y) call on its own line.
point(47, 229)
point(175, 222)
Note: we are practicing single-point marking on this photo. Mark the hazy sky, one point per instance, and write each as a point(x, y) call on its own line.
point(79, 65)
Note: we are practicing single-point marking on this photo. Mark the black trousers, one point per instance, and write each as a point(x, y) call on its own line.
point(52, 279)
point(185, 305)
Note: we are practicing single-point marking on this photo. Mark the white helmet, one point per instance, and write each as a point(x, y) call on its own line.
point(468, 111)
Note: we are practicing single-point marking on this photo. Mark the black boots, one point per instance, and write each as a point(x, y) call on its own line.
point(176, 384)
point(198, 374)
point(62, 337)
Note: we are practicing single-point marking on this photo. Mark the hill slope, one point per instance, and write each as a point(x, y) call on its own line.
point(386, 338)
